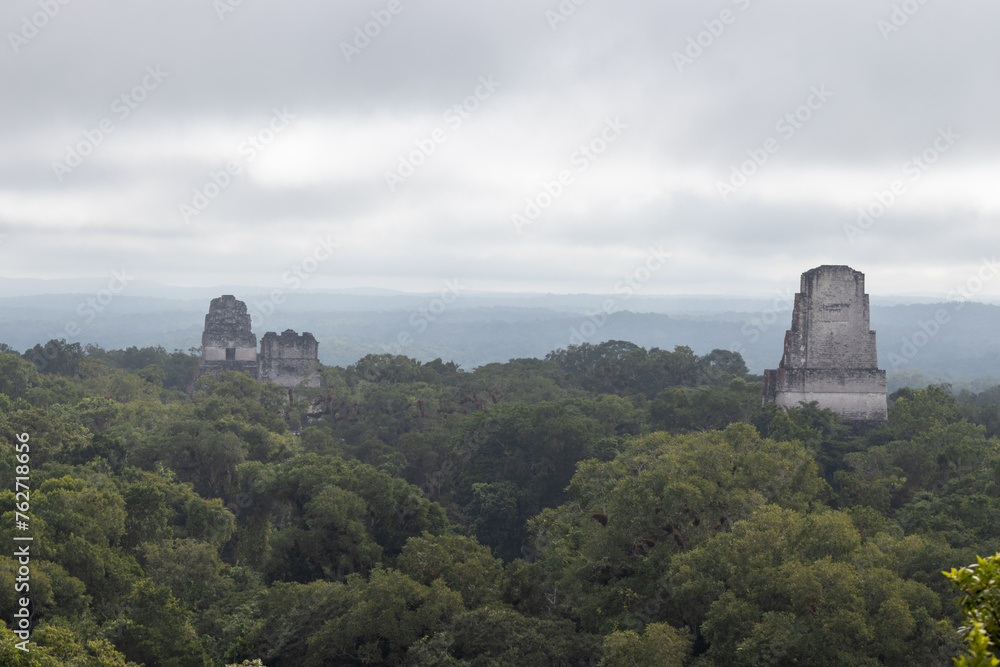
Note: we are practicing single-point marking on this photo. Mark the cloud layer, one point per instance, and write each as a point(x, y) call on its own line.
point(524, 145)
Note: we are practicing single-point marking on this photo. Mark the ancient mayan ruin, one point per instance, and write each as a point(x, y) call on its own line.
point(829, 354)
point(229, 344)
point(289, 359)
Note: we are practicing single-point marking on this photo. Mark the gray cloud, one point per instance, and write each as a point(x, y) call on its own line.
point(689, 123)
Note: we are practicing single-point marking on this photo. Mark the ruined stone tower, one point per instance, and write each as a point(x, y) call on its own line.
point(829, 354)
point(228, 344)
point(289, 359)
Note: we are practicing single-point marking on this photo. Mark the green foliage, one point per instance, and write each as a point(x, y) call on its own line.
point(385, 616)
point(122, 386)
point(525, 380)
point(208, 520)
point(980, 603)
point(980, 649)
point(386, 369)
point(517, 459)
point(343, 515)
point(54, 390)
point(658, 646)
point(330, 541)
point(237, 395)
point(53, 590)
point(58, 646)
point(493, 635)
point(619, 367)
point(943, 479)
point(707, 407)
point(527, 513)
point(493, 515)
point(147, 516)
point(107, 573)
point(820, 430)
point(912, 412)
point(358, 622)
point(172, 370)
point(156, 630)
point(785, 587)
point(17, 376)
point(464, 565)
point(203, 452)
point(72, 507)
point(604, 551)
point(228, 626)
point(190, 568)
point(53, 437)
point(56, 356)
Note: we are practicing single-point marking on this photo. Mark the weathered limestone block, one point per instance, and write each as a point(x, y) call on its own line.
point(829, 354)
point(228, 344)
point(289, 359)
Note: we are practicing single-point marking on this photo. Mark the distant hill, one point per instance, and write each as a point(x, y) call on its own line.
point(917, 342)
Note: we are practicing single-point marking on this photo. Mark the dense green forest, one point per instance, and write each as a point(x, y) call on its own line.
point(605, 505)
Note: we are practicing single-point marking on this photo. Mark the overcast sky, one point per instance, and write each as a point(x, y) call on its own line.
point(628, 124)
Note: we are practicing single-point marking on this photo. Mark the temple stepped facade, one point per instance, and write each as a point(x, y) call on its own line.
point(829, 354)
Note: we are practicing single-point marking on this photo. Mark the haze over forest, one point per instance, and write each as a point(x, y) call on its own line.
point(547, 248)
point(920, 339)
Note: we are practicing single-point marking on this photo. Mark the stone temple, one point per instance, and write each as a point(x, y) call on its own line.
point(229, 344)
point(829, 354)
point(289, 359)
